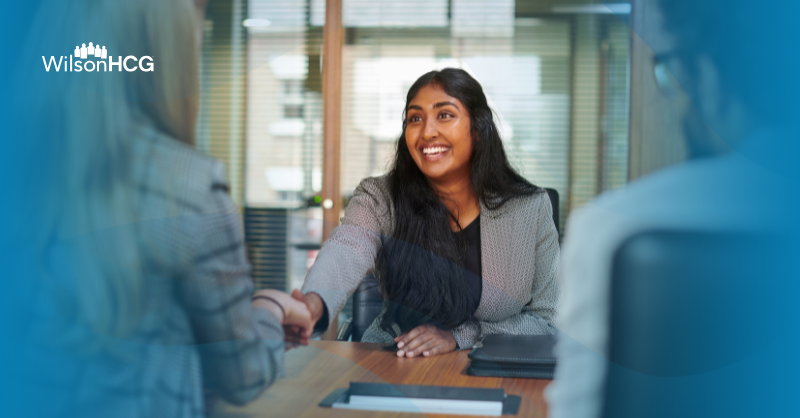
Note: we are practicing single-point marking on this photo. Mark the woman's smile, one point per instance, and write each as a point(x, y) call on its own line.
point(435, 152)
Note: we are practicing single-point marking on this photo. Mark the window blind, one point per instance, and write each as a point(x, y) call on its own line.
point(219, 127)
point(283, 134)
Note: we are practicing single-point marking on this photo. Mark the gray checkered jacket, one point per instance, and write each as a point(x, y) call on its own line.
point(199, 329)
point(519, 256)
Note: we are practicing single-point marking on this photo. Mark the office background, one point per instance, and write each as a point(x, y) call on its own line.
point(263, 106)
point(565, 81)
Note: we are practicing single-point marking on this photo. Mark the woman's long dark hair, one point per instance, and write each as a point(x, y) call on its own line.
point(419, 267)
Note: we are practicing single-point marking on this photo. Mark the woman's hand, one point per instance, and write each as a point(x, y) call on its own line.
point(315, 306)
point(426, 340)
point(297, 320)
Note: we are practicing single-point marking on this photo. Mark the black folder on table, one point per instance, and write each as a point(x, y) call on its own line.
point(514, 356)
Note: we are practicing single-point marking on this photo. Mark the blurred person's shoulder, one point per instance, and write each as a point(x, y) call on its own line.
point(709, 194)
point(167, 168)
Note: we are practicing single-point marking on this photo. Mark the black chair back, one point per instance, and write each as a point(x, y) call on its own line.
point(367, 304)
point(686, 308)
point(553, 194)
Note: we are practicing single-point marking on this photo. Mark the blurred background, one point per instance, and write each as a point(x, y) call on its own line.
point(565, 79)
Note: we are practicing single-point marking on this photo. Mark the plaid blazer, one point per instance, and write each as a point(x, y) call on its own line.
point(199, 329)
point(519, 257)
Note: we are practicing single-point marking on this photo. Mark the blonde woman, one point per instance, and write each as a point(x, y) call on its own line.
point(141, 290)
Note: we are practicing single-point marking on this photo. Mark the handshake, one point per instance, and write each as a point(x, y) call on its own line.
point(297, 312)
point(301, 312)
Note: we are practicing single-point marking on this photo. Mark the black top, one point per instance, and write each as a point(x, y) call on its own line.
point(472, 270)
point(472, 262)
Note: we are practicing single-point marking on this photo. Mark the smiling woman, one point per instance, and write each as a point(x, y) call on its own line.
point(462, 245)
point(438, 131)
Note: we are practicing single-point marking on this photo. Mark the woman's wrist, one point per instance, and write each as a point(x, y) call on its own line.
point(315, 305)
point(455, 340)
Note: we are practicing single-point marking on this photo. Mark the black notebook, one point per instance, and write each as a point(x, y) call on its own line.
point(514, 356)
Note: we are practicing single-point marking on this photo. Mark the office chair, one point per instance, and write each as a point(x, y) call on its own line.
point(686, 308)
point(367, 304)
point(368, 301)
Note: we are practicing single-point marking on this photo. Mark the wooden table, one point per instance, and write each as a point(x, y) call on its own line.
point(314, 371)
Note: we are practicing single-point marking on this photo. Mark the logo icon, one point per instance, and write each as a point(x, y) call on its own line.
point(91, 54)
point(83, 52)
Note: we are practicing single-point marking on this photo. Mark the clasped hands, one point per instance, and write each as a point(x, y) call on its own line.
point(293, 313)
point(425, 340)
point(299, 312)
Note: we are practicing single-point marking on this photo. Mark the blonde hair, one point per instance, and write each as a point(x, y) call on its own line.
point(92, 205)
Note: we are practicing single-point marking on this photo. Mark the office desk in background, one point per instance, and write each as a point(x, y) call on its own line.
point(314, 371)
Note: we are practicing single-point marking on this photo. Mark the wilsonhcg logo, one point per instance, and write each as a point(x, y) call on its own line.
point(76, 63)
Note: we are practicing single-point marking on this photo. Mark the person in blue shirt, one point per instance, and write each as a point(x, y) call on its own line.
point(733, 61)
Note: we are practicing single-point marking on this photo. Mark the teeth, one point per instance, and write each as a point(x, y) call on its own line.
point(433, 150)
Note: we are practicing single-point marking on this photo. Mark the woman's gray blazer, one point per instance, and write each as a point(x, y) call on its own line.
point(519, 257)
